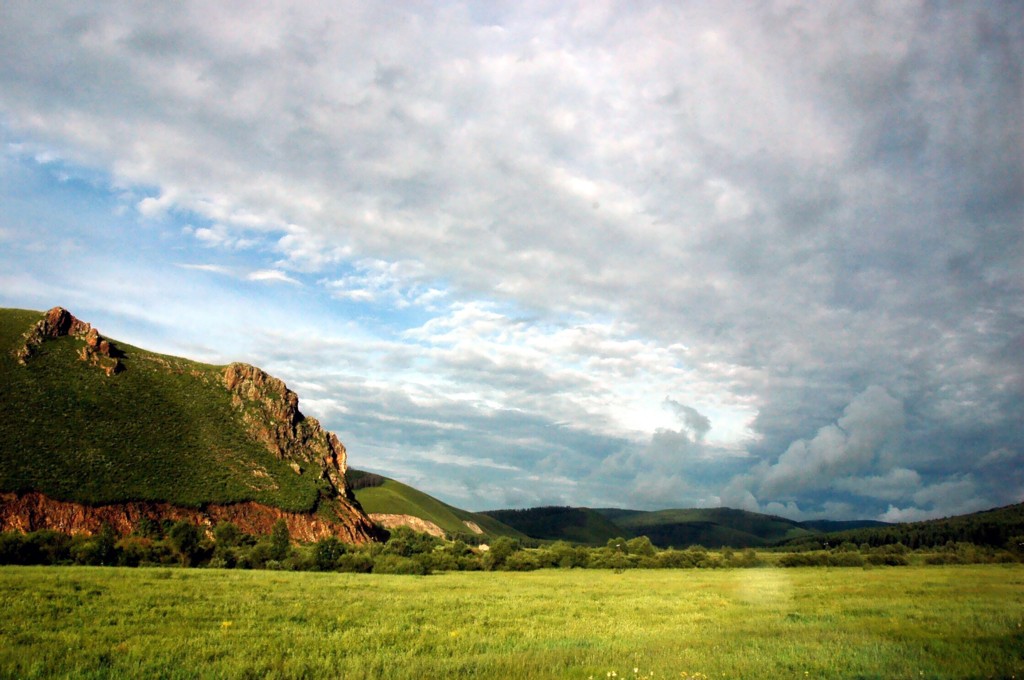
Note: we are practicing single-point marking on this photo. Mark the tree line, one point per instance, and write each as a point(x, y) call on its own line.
point(408, 552)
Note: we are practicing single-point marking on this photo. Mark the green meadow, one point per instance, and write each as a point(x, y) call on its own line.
point(909, 622)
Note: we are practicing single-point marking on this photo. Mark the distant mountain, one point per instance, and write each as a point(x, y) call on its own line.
point(392, 503)
point(95, 431)
point(577, 525)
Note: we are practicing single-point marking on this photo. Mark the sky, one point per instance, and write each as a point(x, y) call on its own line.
point(762, 255)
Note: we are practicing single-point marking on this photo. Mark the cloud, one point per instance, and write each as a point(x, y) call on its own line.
point(896, 484)
point(873, 419)
point(212, 268)
point(789, 218)
point(697, 423)
point(955, 496)
point(272, 276)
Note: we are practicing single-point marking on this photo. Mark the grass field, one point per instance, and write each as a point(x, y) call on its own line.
point(912, 622)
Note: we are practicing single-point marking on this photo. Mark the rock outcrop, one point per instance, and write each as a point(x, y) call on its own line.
point(271, 412)
point(58, 323)
point(34, 511)
point(389, 521)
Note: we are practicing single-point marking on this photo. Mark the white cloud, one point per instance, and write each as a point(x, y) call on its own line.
point(873, 419)
point(272, 276)
point(213, 268)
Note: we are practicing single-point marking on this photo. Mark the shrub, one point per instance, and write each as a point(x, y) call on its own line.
point(356, 562)
point(280, 541)
point(184, 536)
point(395, 564)
point(522, 561)
point(327, 553)
point(888, 559)
point(227, 534)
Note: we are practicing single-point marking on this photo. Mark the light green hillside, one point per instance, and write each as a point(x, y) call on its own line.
point(393, 497)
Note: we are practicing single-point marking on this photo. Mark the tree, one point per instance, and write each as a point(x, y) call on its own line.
point(185, 537)
point(327, 553)
point(641, 545)
point(106, 545)
point(499, 552)
point(617, 544)
point(226, 534)
point(280, 541)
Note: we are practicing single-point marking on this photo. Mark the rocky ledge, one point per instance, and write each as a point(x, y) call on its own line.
point(58, 323)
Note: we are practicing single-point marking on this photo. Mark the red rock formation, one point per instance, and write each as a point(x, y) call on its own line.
point(34, 511)
point(59, 323)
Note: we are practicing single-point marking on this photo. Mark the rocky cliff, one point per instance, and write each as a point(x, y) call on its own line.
point(223, 457)
point(271, 412)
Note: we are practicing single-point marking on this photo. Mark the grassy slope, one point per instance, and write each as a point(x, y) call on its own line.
point(710, 527)
point(164, 429)
point(578, 525)
point(910, 622)
point(393, 497)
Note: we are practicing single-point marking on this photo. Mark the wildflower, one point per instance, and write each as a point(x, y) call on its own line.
point(224, 625)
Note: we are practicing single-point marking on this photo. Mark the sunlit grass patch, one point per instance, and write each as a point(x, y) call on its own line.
point(947, 622)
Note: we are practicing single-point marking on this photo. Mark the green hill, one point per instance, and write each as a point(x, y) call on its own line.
point(96, 421)
point(387, 496)
point(577, 525)
point(995, 528)
point(710, 527)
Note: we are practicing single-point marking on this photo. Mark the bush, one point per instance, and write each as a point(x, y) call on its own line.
point(184, 536)
point(888, 559)
point(356, 562)
point(227, 535)
point(327, 553)
point(395, 564)
point(522, 561)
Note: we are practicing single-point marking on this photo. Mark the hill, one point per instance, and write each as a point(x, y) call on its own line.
point(577, 525)
point(995, 528)
point(679, 528)
point(90, 423)
point(709, 527)
point(832, 525)
point(391, 503)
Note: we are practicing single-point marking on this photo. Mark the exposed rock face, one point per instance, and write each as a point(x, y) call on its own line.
point(33, 511)
point(59, 323)
point(271, 412)
point(473, 526)
point(389, 521)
